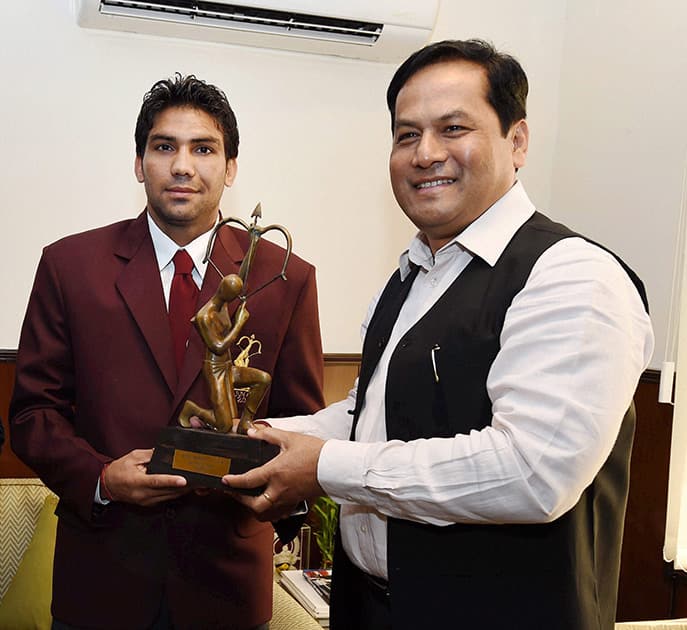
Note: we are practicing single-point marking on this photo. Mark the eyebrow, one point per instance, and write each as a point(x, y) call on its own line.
point(456, 113)
point(159, 136)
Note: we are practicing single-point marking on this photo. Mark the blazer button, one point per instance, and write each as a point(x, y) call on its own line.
point(170, 512)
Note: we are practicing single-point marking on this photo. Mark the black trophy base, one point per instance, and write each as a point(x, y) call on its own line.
point(203, 457)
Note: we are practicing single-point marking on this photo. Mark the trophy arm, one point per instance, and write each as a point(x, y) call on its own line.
point(216, 229)
point(240, 318)
point(289, 243)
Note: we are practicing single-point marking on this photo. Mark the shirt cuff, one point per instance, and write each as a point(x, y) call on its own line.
point(341, 470)
point(98, 498)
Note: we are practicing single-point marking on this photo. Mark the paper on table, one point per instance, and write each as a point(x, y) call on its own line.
point(297, 585)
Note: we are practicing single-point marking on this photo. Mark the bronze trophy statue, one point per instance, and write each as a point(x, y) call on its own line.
point(209, 444)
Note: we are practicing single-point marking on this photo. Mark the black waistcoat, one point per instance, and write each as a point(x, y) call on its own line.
point(560, 575)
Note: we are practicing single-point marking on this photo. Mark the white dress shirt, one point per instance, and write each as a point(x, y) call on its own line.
point(574, 343)
point(166, 248)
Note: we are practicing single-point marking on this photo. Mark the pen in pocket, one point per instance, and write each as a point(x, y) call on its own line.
point(434, 361)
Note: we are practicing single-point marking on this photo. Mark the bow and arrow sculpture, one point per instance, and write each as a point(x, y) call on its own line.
point(219, 331)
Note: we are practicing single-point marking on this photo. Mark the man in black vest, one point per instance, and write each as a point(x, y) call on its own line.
point(481, 461)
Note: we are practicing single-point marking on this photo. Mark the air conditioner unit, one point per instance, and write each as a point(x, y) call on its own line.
point(377, 30)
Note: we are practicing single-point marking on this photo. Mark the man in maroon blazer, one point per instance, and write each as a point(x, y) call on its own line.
point(97, 380)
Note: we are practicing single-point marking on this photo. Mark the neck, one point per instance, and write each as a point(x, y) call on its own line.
point(183, 233)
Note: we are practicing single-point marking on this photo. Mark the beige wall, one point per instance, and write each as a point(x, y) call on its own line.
point(622, 139)
point(315, 138)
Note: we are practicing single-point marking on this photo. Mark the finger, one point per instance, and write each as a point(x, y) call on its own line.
point(196, 423)
point(268, 434)
point(251, 479)
point(154, 499)
point(262, 508)
point(166, 495)
point(165, 481)
point(244, 499)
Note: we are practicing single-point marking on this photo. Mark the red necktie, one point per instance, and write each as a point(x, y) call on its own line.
point(182, 304)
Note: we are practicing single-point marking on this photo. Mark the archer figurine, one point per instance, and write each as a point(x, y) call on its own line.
point(217, 330)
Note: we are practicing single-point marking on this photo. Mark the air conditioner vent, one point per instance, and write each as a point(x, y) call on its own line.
point(376, 30)
point(238, 17)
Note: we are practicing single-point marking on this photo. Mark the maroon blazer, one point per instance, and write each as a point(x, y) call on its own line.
point(96, 378)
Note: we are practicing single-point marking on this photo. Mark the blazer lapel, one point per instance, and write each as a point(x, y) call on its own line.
point(140, 287)
point(227, 255)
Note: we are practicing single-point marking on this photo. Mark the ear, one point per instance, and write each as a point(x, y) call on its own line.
point(230, 175)
point(521, 139)
point(138, 169)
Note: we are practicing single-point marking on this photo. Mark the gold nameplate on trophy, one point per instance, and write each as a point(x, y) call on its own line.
point(192, 461)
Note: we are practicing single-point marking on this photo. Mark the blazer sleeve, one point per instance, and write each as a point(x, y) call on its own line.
point(298, 374)
point(42, 407)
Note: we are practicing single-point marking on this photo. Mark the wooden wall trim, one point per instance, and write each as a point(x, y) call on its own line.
point(342, 357)
point(8, 355)
point(650, 376)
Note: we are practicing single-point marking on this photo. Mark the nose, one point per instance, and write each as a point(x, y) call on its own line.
point(429, 150)
point(182, 164)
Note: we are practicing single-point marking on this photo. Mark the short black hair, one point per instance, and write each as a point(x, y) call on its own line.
point(187, 91)
point(508, 86)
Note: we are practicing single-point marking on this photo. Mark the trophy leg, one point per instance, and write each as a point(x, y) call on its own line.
point(257, 381)
point(190, 409)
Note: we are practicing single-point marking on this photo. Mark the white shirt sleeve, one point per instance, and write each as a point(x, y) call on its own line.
point(334, 421)
point(574, 343)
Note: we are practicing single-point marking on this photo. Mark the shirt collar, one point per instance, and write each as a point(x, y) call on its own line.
point(165, 247)
point(487, 236)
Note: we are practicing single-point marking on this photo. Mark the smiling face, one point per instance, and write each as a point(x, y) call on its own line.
point(450, 161)
point(184, 172)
